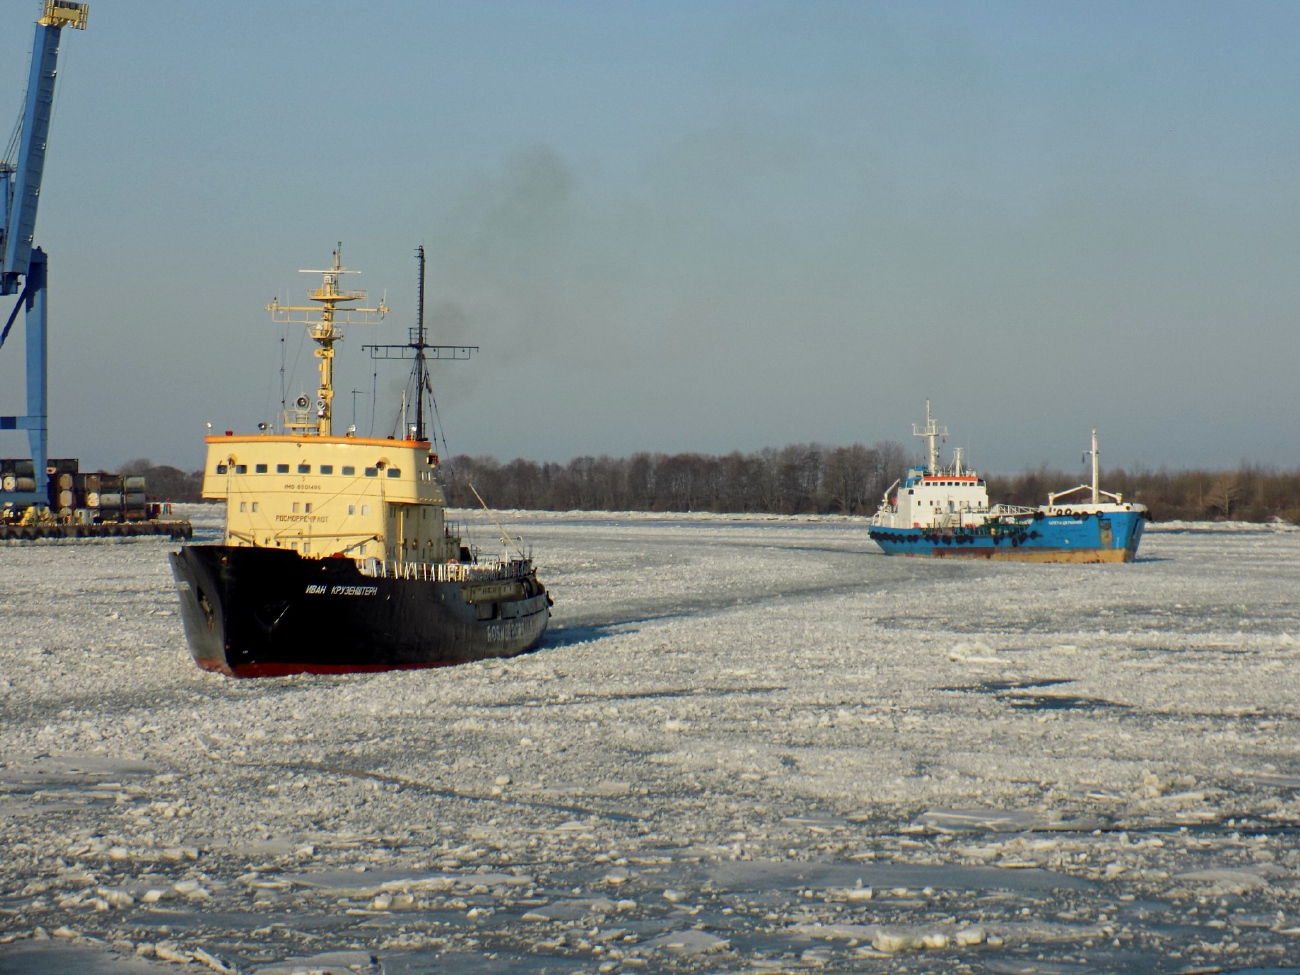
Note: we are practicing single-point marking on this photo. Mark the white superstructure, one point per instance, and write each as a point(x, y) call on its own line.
point(941, 498)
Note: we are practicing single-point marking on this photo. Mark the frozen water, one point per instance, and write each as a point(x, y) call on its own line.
point(747, 744)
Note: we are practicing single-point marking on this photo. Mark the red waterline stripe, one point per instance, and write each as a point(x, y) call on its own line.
point(286, 670)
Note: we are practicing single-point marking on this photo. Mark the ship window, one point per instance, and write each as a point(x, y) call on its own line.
point(327, 468)
point(295, 507)
point(304, 468)
point(372, 472)
point(352, 509)
point(221, 468)
point(260, 469)
point(365, 509)
point(282, 468)
point(394, 472)
point(241, 468)
point(349, 472)
point(306, 546)
point(254, 505)
point(243, 506)
point(306, 508)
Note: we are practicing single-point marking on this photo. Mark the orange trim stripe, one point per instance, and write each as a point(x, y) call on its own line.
point(284, 438)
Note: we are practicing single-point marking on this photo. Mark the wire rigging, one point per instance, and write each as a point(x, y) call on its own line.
point(284, 330)
point(302, 340)
point(11, 148)
point(374, 396)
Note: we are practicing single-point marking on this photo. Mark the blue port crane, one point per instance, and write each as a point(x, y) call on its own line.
point(23, 268)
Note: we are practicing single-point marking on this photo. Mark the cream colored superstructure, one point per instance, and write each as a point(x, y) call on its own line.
point(327, 496)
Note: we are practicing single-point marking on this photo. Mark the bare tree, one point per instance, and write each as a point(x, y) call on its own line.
point(1224, 494)
point(848, 478)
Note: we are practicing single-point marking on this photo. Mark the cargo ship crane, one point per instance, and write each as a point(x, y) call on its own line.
point(23, 268)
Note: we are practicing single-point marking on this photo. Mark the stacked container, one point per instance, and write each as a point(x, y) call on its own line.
point(62, 486)
point(134, 507)
point(77, 498)
point(17, 474)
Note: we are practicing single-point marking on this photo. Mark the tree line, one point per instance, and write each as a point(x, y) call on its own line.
point(799, 479)
point(789, 480)
point(812, 478)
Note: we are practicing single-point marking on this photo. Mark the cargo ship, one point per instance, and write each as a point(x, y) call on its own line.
point(944, 512)
point(338, 555)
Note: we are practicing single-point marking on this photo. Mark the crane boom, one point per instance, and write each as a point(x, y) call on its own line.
point(20, 200)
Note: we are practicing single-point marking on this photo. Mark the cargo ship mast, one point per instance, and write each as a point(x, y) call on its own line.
point(931, 433)
point(324, 331)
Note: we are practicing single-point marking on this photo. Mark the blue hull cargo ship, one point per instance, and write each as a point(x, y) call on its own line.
point(944, 512)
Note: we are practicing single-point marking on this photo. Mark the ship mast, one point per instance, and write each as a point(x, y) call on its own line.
point(931, 433)
point(1096, 470)
point(419, 349)
point(324, 331)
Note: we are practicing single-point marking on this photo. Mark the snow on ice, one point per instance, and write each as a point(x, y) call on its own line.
point(748, 744)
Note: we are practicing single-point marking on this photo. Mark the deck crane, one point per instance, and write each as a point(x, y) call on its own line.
point(22, 264)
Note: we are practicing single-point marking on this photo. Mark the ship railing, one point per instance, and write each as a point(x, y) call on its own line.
point(443, 571)
point(1010, 510)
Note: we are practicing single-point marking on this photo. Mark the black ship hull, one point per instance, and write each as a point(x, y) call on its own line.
point(258, 612)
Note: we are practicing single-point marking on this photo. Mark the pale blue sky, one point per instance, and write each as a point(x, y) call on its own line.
point(686, 226)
